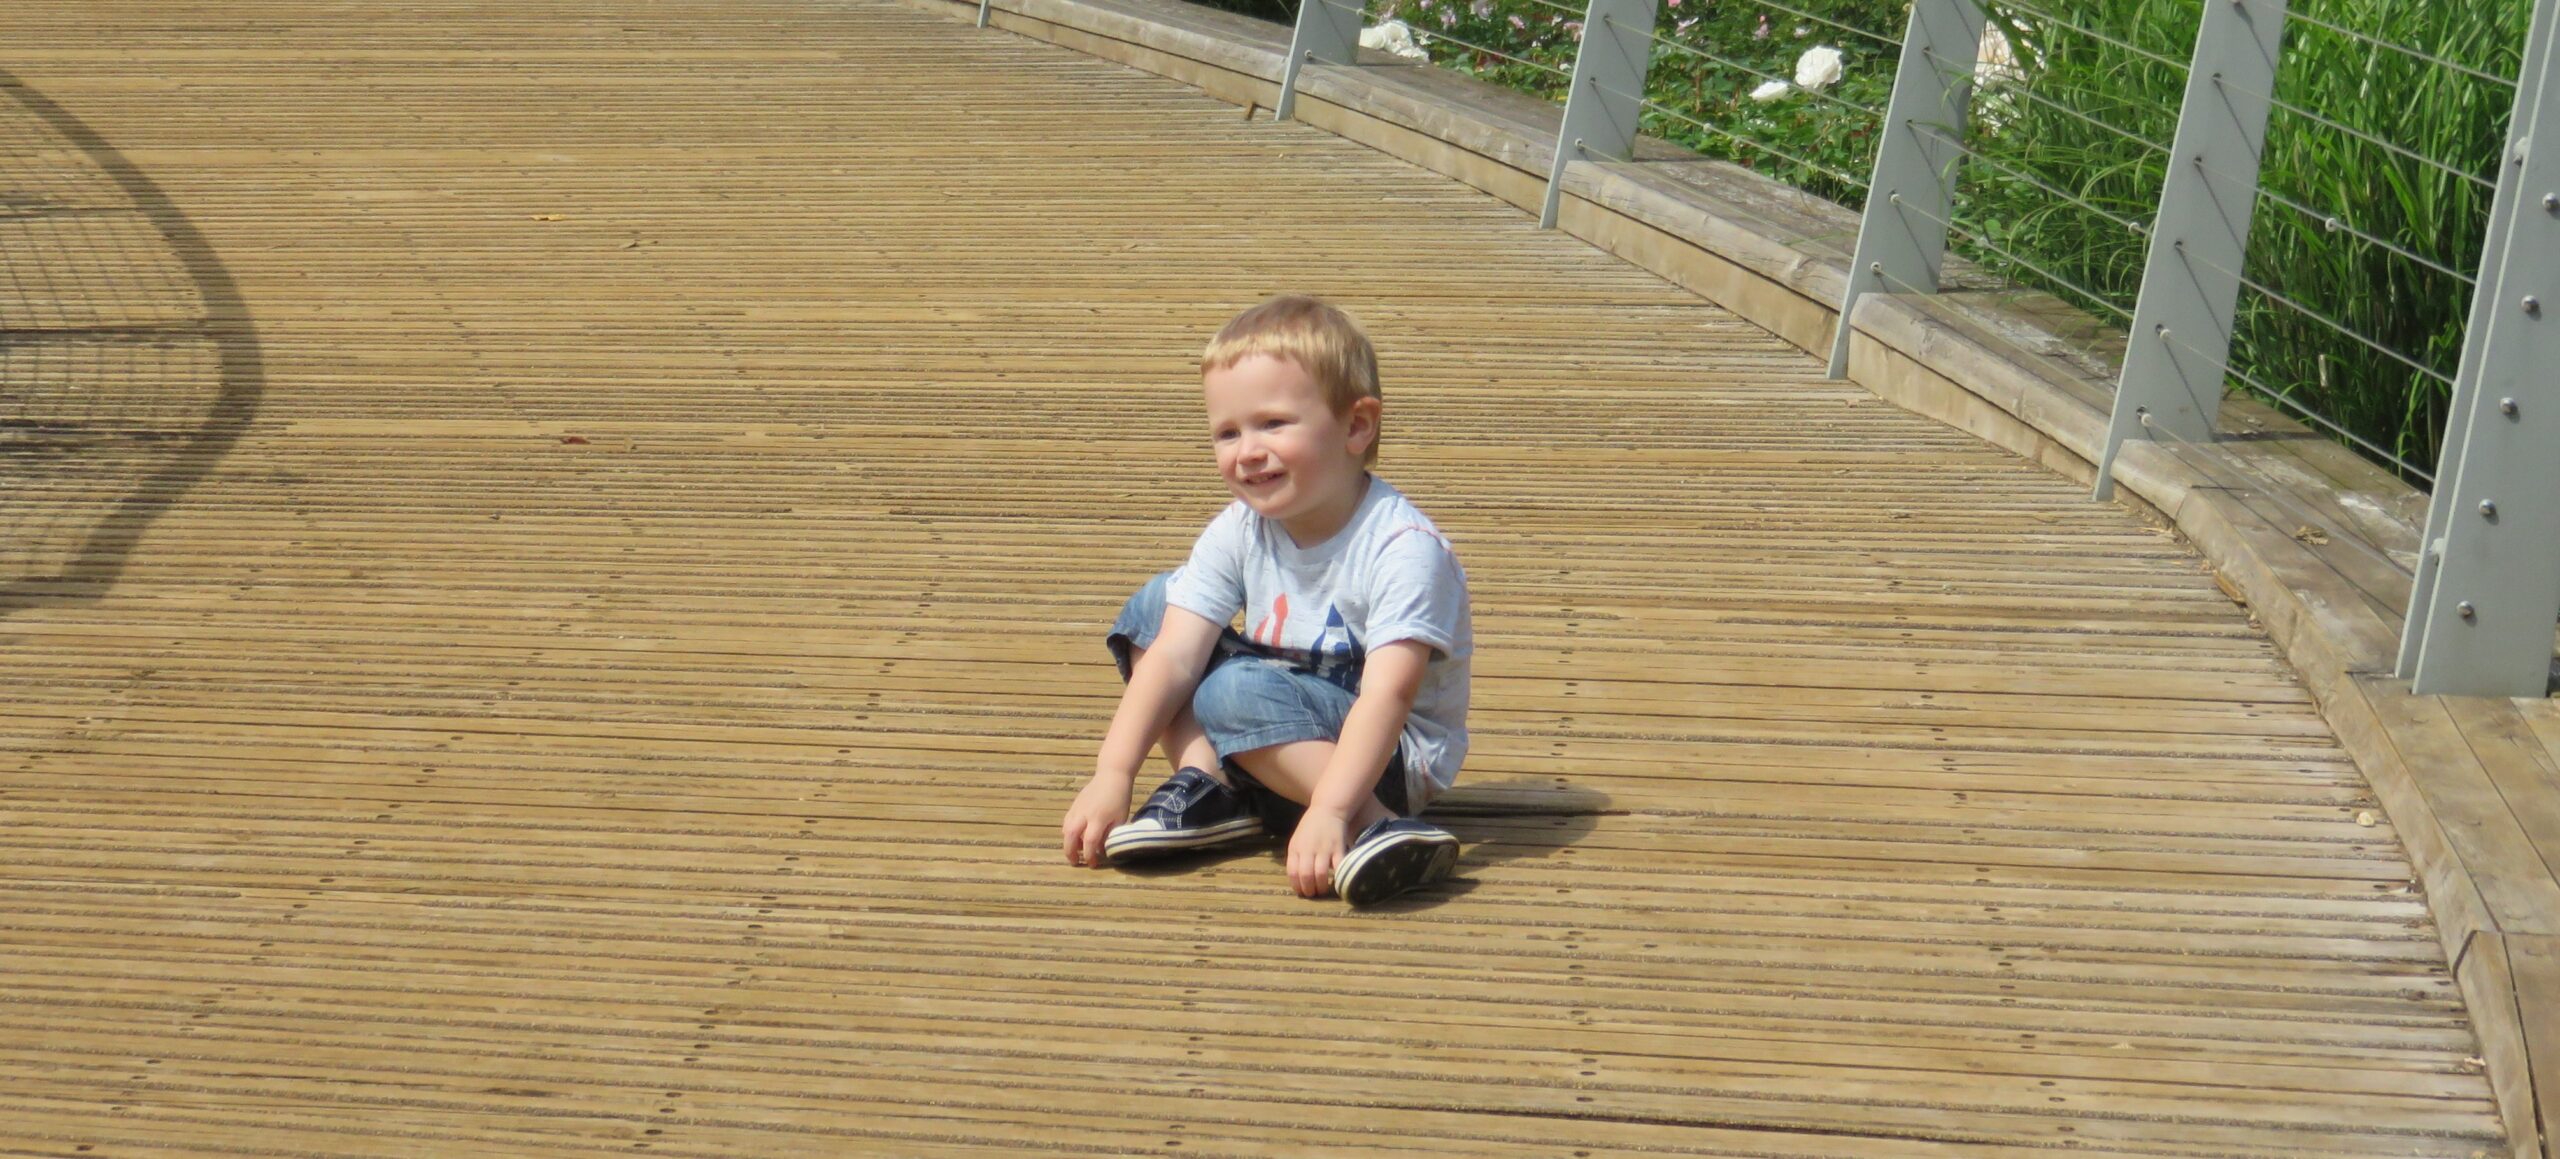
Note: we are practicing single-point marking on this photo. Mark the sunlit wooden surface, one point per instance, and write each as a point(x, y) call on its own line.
point(551, 560)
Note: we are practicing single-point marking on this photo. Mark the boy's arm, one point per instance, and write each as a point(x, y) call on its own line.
point(1158, 686)
point(1390, 678)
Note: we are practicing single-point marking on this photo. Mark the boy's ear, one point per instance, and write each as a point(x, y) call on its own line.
point(1363, 421)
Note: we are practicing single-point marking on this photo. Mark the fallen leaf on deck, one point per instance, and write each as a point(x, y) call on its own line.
point(548, 217)
point(2311, 535)
point(574, 440)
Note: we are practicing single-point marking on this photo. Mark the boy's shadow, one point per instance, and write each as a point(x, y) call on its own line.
point(1502, 821)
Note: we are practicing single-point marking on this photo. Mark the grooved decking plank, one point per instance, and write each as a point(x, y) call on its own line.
point(550, 563)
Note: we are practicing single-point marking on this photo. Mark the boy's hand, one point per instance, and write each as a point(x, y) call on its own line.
point(1318, 847)
point(1097, 810)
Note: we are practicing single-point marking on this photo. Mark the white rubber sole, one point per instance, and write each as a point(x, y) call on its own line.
point(1125, 842)
point(1382, 869)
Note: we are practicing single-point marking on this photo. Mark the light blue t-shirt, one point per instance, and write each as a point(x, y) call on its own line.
point(1387, 576)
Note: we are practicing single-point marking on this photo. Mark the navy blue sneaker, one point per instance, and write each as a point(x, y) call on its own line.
point(1190, 812)
point(1393, 856)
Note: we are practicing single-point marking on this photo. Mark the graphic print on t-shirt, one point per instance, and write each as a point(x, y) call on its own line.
point(1334, 655)
point(1267, 633)
point(1337, 654)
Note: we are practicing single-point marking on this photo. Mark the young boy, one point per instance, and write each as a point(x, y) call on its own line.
point(1342, 708)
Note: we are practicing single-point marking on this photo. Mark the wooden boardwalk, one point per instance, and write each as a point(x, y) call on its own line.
point(551, 555)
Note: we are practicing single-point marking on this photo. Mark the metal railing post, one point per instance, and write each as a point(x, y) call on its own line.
point(1328, 32)
point(983, 7)
point(1602, 109)
point(2180, 337)
point(1902, 237)
point(2488, 584)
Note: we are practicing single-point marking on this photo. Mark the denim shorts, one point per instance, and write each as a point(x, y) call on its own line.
point(1250, 698)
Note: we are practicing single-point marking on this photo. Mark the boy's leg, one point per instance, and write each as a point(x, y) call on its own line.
point(1281, 725)
point(1389, 853)
point(1294, 769)
point(1281, 721)
point(1196, 808)
point(1184, 745)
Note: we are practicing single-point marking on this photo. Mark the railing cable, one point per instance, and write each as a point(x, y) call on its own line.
point(1763, 146)
point(2403, 49)
point(2100, 37)
point(2361, 135)
point(2280, 298)
point(2004, 254)
point(1567, 9)
point(2337, 223)
point(1878, 37)
point(2023, 90)
point(2131, 225)
point(1419, 35)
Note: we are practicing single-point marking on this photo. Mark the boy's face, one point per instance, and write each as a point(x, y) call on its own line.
point(1282, 450)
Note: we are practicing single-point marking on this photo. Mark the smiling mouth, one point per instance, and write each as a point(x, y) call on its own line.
point(1262, 480)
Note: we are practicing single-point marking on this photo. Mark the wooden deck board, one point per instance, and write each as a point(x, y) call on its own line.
point(384, 772)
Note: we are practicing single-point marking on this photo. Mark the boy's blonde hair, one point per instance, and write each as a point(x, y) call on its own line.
point(1311, 332)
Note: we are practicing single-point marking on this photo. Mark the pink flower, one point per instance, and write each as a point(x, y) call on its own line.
point(1518, 24)
point(1762, 32)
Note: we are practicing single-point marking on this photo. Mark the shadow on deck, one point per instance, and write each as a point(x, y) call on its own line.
point(127, 363)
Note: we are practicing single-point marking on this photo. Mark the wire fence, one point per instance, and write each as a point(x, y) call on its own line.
point(2377, 171)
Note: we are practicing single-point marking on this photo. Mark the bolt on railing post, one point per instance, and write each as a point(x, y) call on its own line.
point(1328, 33)
point(2180, 339)
point(1606, 102)
point(1902, 236)
point(2487, 589)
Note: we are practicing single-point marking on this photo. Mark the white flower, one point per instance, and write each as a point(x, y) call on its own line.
point(1772, 91)
point(1994, 60)
point(1818, 68)
point(1394, 36)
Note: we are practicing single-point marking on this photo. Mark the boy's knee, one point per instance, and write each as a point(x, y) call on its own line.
point(1135, 628)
